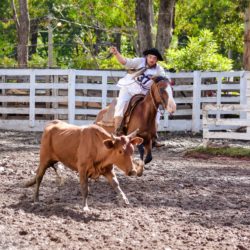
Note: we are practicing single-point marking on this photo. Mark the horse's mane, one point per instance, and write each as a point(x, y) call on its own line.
point(157, 79)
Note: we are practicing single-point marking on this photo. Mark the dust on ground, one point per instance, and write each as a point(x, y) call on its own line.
point(178, 203)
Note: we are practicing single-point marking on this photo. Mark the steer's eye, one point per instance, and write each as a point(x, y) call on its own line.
point(120, 151)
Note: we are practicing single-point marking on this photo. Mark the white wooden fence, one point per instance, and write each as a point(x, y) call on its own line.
point(31, 97)
point(233, 128)
point(228, 121)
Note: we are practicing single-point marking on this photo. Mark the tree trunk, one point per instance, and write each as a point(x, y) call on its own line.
point(165, 25)
point(246, 54)
point(34, 24)
point(23, 27)
point(143, 22)
point(117, 38)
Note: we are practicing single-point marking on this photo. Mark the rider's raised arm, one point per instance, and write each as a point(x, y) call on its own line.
point(118, 55)
point(129, 63)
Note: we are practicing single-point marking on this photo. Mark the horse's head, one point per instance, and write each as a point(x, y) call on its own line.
point(162, 93)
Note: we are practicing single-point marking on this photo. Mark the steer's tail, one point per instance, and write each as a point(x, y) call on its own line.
point(33, 180)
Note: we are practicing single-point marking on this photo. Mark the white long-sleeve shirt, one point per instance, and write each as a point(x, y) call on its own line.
point(143, 80)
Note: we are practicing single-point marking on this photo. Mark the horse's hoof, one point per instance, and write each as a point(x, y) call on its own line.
point(148, 159)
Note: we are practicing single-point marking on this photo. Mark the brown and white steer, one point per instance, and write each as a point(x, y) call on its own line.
point(91, 151)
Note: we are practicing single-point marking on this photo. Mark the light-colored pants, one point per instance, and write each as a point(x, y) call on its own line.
point(125, 94)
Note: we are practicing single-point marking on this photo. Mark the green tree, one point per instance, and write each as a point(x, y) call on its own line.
point(201, 53)
point(223, 17)
point(89, 27)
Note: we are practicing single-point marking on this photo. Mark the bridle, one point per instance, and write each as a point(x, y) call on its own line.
point(163, 103)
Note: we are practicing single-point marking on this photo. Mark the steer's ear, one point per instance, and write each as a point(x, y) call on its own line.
point(108, 143)
point(136, 141)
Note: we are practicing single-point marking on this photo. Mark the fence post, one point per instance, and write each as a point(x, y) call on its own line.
point(205, 125)
point(196, 112)
point(71, 96)
point(218, 96)
point(32, 99)
point(243, 92)
point(248, 97)
point(104, 90)
point(55, 92)
point(4, 104)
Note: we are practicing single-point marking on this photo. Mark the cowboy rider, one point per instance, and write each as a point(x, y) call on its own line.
point(147, 67)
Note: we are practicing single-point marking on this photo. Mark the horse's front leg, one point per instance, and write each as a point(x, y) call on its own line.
point(141, 150)
point(148, 152)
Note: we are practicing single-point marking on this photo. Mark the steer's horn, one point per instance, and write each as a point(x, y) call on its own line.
point(133, 134)
point(112, 137)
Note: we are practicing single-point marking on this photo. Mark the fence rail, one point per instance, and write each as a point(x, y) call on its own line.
point(231, 123)
point(31, 97)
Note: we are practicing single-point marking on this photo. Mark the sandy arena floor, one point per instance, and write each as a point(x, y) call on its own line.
point(178, 203)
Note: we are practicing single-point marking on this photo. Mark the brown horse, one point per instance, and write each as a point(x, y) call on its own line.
point(143, 115)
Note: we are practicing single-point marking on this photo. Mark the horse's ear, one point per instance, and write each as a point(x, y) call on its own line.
point(157, 78)
point(154, 78)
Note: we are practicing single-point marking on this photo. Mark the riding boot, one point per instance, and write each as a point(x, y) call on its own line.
point(118, 127)
point(156, 143)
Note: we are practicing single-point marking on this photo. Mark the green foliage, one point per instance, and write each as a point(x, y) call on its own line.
point(88, 61)
point(94, 22)
point(224, 18)
point(7, 62)
point(110, 64)
point(7, 48)
point(37, 62)
point(201, 53)
point(236, 152)
point(98, 22)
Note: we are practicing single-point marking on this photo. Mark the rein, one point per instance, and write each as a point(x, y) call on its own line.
point(154, 102)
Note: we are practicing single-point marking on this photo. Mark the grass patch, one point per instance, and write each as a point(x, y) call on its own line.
point(235, 152)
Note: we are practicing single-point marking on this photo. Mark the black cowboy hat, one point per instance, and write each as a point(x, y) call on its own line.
point(153, 51)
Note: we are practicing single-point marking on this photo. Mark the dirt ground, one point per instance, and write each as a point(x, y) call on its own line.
point(178, 203)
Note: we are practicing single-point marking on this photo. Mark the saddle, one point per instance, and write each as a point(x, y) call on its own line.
point(108, 116)
point(130, 107)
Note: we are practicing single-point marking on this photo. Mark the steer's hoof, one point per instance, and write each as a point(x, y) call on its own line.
point(139, 166)
point(86, 209)
point(36, 199)
point(126, 201)
point(122, 202)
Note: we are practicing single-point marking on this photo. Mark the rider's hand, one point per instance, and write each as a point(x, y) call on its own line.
point(113, 50)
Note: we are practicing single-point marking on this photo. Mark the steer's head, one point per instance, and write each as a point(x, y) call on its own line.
point(122, 149)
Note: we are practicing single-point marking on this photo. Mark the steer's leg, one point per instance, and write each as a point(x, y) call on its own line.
point(30, 182)
point(112, 179)
point(84, 187)
point(59, 178)
point(39, 176)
